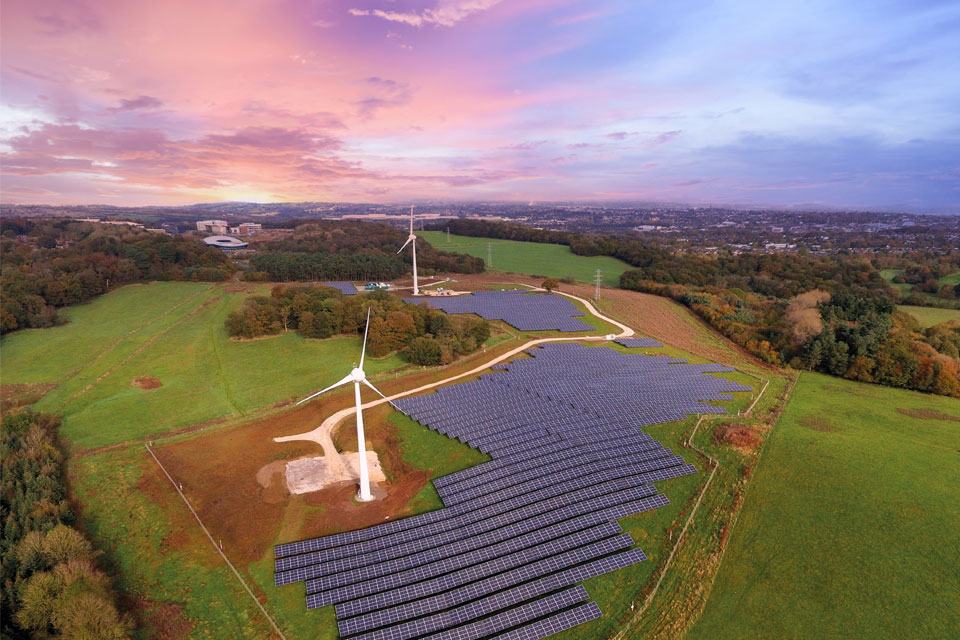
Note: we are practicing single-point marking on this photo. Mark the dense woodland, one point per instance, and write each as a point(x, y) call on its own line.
point(48, 264)
point(427, 336)
point(52, 586)
point(348, 250)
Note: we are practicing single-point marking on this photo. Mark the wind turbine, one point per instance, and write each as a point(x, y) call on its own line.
point(412, 238)
point(357, 377)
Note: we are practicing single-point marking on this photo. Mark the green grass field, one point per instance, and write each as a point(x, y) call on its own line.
point(554, 260)
point(907, 289)
point(173, 332)
point(849, 528)
point(929, 316)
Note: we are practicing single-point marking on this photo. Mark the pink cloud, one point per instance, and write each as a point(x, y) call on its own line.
point(447, 13)
point(663, 138)
point(141, 102)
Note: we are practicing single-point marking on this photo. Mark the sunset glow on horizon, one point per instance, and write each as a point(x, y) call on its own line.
point(798, 103)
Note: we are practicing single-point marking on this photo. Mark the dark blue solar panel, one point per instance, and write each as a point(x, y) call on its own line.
point(522, 310)
point(346, 288)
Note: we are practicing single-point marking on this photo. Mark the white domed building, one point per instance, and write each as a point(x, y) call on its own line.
point(225, 242)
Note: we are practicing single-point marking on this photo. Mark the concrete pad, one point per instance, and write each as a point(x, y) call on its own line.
point(304, 475)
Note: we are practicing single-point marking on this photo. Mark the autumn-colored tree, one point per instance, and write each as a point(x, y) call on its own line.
point(401, 328)
point(802, 315)
point(379, 338)
point(861, 368)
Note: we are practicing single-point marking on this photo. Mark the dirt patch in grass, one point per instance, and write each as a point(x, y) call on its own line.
point(272, 477)
point(176, 540)
point(738, 435)
point(850, 391)
point(928, 414)
point(167, 621)
point(147, 382)
point(16, 396)
point(817, 424)
point(342, 512)
point(183, 532)
point(237, 288)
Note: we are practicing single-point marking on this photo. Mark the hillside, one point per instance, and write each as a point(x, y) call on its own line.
point(849, 527)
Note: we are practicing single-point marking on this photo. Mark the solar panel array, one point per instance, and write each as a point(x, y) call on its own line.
point(517, 534)
point(520, 309)
point(634, 343)
point(346, 288)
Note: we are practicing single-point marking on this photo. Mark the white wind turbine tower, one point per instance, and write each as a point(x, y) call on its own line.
point(357, 377)
point(412, 239)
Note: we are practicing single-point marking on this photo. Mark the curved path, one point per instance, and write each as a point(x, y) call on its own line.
point(322, 435)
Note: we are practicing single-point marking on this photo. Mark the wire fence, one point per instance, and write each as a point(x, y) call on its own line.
point(178, 487)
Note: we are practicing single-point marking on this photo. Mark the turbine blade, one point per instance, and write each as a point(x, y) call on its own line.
point(411, 219)
point(367, 382)
point(404, 245)
point(363, 352)
point(333, 386)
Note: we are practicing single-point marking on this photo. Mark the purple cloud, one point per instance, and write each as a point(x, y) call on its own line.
point(132, 104)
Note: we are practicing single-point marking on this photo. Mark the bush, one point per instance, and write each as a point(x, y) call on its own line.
point(424, 351)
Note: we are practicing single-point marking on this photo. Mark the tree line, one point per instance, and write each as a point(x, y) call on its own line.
point(350, 250)
point(47, 264)
point(846, 333)
point(52, 586)
point(425, 335)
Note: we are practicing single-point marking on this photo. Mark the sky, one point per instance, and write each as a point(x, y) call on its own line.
point(790, 103)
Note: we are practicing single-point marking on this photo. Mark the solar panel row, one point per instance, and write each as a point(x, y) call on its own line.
point(554, 624)
point(428, 579)
point(418, 610)
point(515, 617)
point(346, 288)
point(471, 536)
point(520, 309)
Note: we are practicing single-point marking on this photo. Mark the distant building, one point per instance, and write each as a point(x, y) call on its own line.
point(116, 222)
point(213, 226)
point(249, 228)
point(224, 242)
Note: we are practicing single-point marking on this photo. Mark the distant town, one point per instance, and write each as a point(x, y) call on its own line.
point(696, 229)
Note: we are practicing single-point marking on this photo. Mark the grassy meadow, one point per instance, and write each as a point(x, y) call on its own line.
point(849, 528)
point(172, 332)
point(554, 260)
point(906, 289)
point(929, 316)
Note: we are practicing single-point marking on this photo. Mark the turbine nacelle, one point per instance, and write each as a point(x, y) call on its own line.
point(357, 375)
